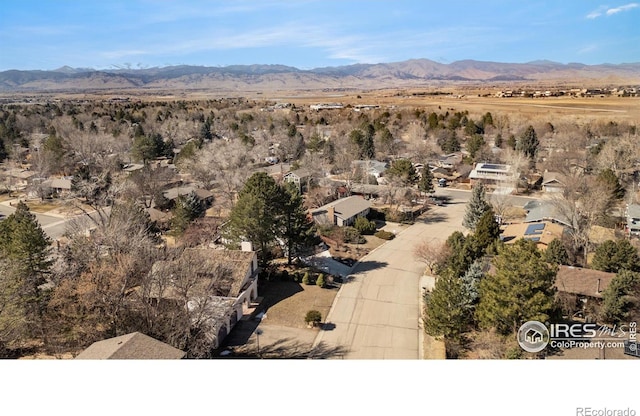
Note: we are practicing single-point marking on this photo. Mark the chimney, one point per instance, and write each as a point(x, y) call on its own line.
point(331, 215)
point(246, 246)
point(598, 286)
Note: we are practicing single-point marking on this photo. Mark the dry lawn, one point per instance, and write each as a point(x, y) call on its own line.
point(41, 207)
point(287, 303)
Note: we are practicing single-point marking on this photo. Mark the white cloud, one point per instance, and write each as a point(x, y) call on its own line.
point(610, 11)
point(621, 8)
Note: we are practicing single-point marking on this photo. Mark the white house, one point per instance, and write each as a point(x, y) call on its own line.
point(491, 174)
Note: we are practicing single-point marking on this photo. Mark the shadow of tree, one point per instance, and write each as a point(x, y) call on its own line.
point(275, 292)
point(368, 265)
point(432, 217)
point(288, 348)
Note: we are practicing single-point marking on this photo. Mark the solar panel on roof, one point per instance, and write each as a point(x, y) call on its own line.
point(534, 229)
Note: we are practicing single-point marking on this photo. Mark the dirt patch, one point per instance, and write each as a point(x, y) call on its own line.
point(287, 303)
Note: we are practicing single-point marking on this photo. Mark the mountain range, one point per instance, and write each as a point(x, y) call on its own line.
point(415, 72)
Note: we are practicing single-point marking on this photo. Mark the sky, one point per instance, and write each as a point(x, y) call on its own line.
point(310, 34)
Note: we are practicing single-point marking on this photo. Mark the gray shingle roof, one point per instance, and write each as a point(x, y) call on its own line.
point(346, 207)
point(133, 346)
point(545, 211)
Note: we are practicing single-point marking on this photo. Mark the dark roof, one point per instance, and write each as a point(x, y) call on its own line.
point(133, 346)
point(585, 282)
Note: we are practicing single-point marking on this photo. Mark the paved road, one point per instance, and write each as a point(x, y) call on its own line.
point(53, 226)
point(376, 314)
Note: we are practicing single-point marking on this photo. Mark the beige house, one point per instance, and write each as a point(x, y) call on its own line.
point(218, 287)
point(342, 212)
point(541, 233)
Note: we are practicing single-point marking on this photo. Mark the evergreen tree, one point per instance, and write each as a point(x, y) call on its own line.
point(446, 310)
point(24, 259)
point(425, 184)
point(613, 256)
point(556, 253)
point(471, 282)
point(474, 144)
point(186, 209)
point(476, 207)
point(487, 231)
point(451, 143)
point(621, 296)
point(611, 181)
point(520, 290)
point(498, 141)
point(528, 143)
point(296, 229)
point(320, 282)
point(368, 148)
point(3, 151)
point(255, 217)
point(403, 170)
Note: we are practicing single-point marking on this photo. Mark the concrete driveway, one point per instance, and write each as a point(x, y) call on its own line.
point(323, 261)
point(377, 312)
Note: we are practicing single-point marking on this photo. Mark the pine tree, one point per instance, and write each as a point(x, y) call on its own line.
point(320, 280)
point(24, 259)
point(556, 253)
point(608, 178)
point(296, 229)
point(446, 311)
point(476, 207)
point(404, 170)
point(620, 296)
point(520, 290)
point(425, 184)
point(487, 231)
point(187, 208)
point(471, 282)
point(613, 256)
point(255, 217)
point(528, 143)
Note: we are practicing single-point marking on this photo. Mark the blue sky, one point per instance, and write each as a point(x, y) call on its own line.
point(309, 34)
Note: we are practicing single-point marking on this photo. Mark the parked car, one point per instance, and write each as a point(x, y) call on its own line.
point(442, 183)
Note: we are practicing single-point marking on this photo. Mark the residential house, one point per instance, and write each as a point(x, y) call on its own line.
point(449, 161)
point(541, 233)
point(18, 179)
point(633, 219)
point(553, 182)
point(173, 193)
point(133, 346)
point(582, 286)
point(538, 211)
point(276, 171)
point(301, 178)
point(59, 186)
point(491, 174)
point(219, 286)
point(342, 212)
point(369, 167)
